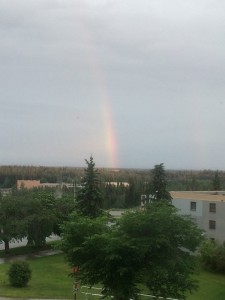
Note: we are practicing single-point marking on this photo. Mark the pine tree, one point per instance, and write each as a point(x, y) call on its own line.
point(158, 186)
point(89, 198)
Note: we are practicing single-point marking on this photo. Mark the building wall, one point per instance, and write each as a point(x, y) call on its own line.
point(184, 208)
point(204, 217)
point(218, 216)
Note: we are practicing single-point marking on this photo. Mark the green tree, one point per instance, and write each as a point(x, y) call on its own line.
point(12, 220)
point(166, 243)
point(216, 182)
point(158, 186)
point(40, 216)
point(213, 256)
point(154, 247)
point(133, 194)
point(63, 207)
point(89, 198)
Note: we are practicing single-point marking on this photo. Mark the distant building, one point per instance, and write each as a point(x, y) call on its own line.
point(28, 184)
point(115, 183)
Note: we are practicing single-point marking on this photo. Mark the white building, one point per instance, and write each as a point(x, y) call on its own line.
point(206, 208)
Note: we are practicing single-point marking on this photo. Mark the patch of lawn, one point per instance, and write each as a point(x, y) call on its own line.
point(211, 287)
point(49, 279)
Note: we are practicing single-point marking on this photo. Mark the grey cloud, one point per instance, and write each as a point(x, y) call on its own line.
point(160, 65)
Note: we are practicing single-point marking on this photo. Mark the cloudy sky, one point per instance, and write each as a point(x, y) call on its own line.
point(132, 82)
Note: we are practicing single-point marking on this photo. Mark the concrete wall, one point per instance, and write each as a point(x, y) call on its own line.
point(202, 216)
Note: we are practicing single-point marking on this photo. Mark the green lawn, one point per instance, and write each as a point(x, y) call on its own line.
point(50, 280)
point(211, 287)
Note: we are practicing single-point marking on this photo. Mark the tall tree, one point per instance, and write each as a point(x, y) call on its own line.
point(12, 220)
point(63, 207)
point(216, 182)
point(89, 198)
point(133, 193)
point(154, 247)
point(40, 216)
point(158, 186)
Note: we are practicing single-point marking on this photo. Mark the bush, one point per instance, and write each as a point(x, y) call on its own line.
point(213, 256)
point(19, 273)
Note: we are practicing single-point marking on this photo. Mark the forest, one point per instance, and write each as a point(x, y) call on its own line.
point(177, 180)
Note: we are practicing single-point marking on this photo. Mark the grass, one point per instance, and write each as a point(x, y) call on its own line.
point(211, 287)
point(50, 280)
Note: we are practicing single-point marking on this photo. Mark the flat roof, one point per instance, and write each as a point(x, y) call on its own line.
point(198, 196)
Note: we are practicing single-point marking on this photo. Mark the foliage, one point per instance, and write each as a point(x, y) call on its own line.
point(63, 207)
point(89, 198)
point(158, 187)
point(166, 242)
point(12, 222)
point(40, 216)
point(34, 214)
point(76, 230)
point(19, 273)
point(113, 195)
point(123, 196)
point(216, 182)
point(133, 193)
point(178, 180)
point(153, 247)
point(213, 256)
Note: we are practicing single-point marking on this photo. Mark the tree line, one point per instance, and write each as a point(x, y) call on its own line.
point(37, 213)
point(177, 179)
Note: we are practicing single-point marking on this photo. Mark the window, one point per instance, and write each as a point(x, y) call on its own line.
point(212, 224)
point(212, 207)
point(193, 206)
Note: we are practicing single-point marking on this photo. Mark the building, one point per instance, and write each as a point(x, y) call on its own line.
point(28, 184)
point(207, 209)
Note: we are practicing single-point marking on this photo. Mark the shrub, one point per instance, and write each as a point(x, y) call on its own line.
point(19, 273)
point(213, 256)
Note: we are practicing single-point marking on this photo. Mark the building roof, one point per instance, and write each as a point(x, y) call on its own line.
point(28, 184)
point(205, 196)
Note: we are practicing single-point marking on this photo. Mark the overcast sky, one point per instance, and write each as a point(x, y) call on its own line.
point(132, 82)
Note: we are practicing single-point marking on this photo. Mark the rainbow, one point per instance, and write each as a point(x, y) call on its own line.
point(110, 135)
point(110, 139)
